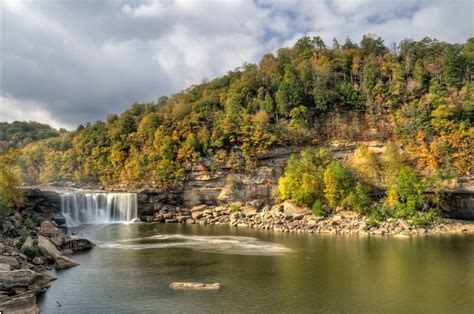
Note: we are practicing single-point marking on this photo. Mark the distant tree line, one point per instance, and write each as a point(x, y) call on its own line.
point(18, 134)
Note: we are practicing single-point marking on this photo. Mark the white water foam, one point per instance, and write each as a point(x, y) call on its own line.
point(211, 244)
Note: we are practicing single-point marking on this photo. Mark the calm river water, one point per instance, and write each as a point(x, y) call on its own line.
point(263, 272)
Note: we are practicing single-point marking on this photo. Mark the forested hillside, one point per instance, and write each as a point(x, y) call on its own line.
point(20, 133)
point(419, 95)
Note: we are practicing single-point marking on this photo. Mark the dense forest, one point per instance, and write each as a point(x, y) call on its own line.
point(418, 95)
point(20, 133)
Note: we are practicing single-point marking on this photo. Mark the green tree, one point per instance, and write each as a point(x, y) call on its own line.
point(338, 180)
point(410, 192)
point(303, 181)
point(10, 196)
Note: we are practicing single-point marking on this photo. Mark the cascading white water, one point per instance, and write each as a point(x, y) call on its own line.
point(98, 208)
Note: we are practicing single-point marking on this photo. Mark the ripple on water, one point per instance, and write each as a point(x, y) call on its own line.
point(212, 244)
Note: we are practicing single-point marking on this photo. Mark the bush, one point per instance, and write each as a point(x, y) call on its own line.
point(32, 252)
point(29, 223)
point(371, 221)
point(18, 244)
point(421, 219)
point(377, 213)
point(25, 232)
point(359, 199)
point(234, 208)
point(318, 208)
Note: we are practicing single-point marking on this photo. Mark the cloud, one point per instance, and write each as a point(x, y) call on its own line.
point(71, 62)
point(27, 110)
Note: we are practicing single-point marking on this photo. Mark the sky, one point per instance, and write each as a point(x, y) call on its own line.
point(69, 62)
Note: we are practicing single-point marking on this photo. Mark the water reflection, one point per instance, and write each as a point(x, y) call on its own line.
point(308, 273)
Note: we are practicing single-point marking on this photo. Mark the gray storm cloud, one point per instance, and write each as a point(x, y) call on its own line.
point(66, 62)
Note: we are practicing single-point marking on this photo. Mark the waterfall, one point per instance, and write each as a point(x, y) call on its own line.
point(98, 208)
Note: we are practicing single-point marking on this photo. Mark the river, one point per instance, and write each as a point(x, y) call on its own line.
point(262, 271)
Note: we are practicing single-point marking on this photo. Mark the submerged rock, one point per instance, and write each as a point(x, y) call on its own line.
point(195, 285)
point(77, 245)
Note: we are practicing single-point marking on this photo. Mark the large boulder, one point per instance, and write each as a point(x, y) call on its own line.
point(13, 262)
point(48, 229)
point(20, 304)
point(59, 219)
point(64, 262)
point(50, 251)
point(58, 241)
point(17, 278)
point(47, 248)
point(28, 244)
point(77, 244)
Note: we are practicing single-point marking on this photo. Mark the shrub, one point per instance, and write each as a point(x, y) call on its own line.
point(25, 232)
point(337, 181)
point(18, 244)
point(234, 208)
point(32, 252)
point(421, 219)
point(34, 218)
point(359, 199)
point(29, 223)
point(318, 208)
point(377, 213)
point(371, 221)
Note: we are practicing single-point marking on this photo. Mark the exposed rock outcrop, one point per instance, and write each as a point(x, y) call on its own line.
point(19, 288)
point(77, 245)
point(50, 251)
point(47, 248)
point(195, 285)
point(21, 304)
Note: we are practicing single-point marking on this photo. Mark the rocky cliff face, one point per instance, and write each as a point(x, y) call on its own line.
point(253, 188)
point(223, 186)
point(459, 203)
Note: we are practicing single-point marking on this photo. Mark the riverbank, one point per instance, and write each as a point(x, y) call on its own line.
point(28, 249)
point(286, 217)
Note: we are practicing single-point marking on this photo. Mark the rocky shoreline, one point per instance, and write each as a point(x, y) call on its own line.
point(286, 217)
point(25, 254)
